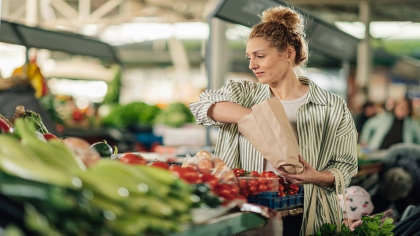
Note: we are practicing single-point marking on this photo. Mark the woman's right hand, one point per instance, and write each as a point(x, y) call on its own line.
point(227, 112)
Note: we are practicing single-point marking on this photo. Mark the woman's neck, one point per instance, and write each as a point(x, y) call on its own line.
point(289, 88)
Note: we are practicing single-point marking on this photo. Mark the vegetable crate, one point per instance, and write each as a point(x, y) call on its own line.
point(273, 201)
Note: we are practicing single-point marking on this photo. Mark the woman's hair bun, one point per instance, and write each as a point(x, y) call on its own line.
point(286, 16)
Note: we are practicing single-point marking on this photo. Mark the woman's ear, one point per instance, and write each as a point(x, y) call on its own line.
point(290, 53)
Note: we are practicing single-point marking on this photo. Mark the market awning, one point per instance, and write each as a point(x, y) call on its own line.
point(32, 37)
point(323, 37)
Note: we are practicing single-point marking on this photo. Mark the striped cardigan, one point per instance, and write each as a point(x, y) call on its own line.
point(326, 130)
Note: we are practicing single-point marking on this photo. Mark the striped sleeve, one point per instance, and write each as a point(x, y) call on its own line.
point(344, 156)
point(207, 99)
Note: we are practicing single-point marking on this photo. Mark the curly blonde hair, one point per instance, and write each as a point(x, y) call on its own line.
point(282, 27)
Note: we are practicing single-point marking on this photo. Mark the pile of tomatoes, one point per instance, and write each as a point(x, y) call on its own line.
point(252, 183)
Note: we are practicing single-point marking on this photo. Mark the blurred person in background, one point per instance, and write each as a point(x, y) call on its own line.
point(369, 110)
point(384, 130)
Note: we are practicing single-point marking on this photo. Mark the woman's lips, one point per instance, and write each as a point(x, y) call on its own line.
point(258, 74)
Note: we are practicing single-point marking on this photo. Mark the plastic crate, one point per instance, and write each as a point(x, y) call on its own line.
point(273, 201)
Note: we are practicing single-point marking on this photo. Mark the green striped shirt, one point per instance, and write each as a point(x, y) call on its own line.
point(326, 130)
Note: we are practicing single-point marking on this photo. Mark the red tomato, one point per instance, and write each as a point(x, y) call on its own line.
point(242, 198)
point(174, 167)
point(253, 182)
point(252, 188)
point(4, 127)
point(210, 179)
point(189, 174)
point(254, 174)
point(244, 192)
point(130, 158)
point(281, 188)
point(262, 180)
point(243, 183)
point(270, 187)
point(160, 164)
point(234, 189)
point(262, 188)
point(294, 187)
point(291, 192)
point(282, 194)
point(49, 136)
point(224, 191)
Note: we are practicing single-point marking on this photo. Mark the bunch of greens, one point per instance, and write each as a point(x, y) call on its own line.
point(175, 115)
point(371, 226)
point(136, 113)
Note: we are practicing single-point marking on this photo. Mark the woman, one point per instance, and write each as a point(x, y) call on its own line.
point(384, 130)
point(323, 124)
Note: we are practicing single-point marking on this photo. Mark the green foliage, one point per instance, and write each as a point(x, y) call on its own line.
point(371, 226)
point(136, 113)
point(113, 94)
point(175, 115)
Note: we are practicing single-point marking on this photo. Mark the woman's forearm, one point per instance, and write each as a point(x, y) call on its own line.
point(227, 112)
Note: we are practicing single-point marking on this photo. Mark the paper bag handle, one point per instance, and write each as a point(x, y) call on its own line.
point(311, 218)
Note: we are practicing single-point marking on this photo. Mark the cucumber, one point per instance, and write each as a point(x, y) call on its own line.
point(103, 148)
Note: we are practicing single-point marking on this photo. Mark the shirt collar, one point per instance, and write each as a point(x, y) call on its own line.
point(316, 94)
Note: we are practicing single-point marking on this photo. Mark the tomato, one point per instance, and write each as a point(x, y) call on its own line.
point(254, 174)
point(252, 188)
point(281, 188)
point(234, 189)
point(243, 183)
point(294, 187)
point(174, 167)
point(262, 180)
point(4, 127)
point(253, 182)
point(270, 187)
point(242, 198)
point(130, 158)
point(210, 180)
point(244, 192)
point(160, 164)
point(282, 194)
point(224, 191)
point(49, 136)
point(291, 192)
point(262, 188)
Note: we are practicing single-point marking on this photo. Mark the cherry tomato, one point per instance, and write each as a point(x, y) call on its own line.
point(241, 172)
point(262, 180)
point(253, 182)
point(282, 194)
point(160, 164)
point(281, 188)
point(262, 188)
point(252, 188)
point(210, 180)
point(186, 173)
point(224, 191)
point(244, 192)
point(243, 183)
point(294, 187)
point(254, 174)
point(130, 158)
point(291, 192)
point(49, 136)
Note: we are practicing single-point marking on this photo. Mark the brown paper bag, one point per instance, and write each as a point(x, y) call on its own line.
point(268, 129)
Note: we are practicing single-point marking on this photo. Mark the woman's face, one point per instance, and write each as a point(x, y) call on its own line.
point(267, 63)
point(401, 109)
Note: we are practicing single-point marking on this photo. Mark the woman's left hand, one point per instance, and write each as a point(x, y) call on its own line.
point(307, 176)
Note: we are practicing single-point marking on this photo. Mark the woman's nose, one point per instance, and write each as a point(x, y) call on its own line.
point(252, 65)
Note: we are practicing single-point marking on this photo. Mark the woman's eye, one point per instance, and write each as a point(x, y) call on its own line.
point(260, 57)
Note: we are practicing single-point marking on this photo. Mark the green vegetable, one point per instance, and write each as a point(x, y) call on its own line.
point(103, 148)
point(371, 226)
point(175, 115)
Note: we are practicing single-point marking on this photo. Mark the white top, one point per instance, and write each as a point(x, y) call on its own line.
point(290, 108)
